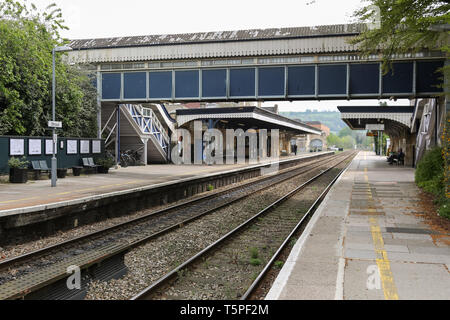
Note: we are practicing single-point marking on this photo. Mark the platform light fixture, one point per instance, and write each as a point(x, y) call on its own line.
point(54, 161)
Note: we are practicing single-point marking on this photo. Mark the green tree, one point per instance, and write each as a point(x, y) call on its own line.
point(27, 38)
point(405, 26)
point(334, 140)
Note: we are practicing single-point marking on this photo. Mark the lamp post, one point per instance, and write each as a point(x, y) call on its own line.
point(54, 162)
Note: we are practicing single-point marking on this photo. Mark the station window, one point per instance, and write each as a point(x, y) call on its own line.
point(138, 65)
point(307, 59)
point(154, 65)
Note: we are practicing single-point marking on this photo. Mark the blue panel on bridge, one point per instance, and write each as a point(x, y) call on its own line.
point(364, 78)
point(242, 82)
point(399, 79)
point(214, 83)
point(333, 80)
point(302, 81)
point(428, 76)
point(271, 81)
point(135, 85)
point(111, 84)
point(187, 84)
point(160, 85)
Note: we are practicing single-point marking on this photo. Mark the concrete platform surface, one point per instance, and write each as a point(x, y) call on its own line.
point(368, 241)
point(16, 197)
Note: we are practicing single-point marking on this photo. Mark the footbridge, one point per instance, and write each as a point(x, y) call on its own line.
point(304, 63)
point(273, 64)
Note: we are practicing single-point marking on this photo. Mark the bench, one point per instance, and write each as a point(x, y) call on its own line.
point(39, 167)
point(89, 163)
point(400, 160)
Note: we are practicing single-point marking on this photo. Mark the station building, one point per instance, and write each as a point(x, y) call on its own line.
point(251, 120)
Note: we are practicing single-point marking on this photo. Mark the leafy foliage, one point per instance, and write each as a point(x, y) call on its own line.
point(105, 162)
point(406, 26)
point(430, 177)
point(27, 38)
point(332, 119)
point(347, 139)
point(18, 163)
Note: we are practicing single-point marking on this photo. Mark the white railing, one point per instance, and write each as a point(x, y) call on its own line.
point(149, 123)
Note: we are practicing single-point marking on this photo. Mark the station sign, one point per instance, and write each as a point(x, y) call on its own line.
point(55, 124)
point(375, 127)
point(372, 134)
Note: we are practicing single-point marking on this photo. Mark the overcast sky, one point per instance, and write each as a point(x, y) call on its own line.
point(116, 18)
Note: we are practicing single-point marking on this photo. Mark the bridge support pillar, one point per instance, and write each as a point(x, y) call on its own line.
point(145, 153)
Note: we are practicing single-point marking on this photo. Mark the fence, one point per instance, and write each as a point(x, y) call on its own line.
point(69, 151)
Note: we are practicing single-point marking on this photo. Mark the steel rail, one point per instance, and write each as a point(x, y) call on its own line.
point(8, 262)
point(312, 209)
point(155, 285)
point(123, 248)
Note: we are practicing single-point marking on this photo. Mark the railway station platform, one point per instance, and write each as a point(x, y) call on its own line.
point(370, 239)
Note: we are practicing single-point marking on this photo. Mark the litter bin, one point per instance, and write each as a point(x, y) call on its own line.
point(61, 173)
point(76, 171)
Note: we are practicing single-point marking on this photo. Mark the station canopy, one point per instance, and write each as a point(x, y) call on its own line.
point(392, 120)
point(244, 118)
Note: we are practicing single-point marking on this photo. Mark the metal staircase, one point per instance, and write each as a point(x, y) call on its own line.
point(138, 128)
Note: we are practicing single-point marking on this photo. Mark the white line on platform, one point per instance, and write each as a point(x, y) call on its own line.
point(283, 276)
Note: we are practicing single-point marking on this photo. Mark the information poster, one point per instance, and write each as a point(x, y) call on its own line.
point(34, 147)
point(49, 147)
point(16, 147)
point(84, 146)
point(96, 146)
point(72, 147)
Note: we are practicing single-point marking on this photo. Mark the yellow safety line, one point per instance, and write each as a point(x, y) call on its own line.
point(9, 201)
point(384, 265)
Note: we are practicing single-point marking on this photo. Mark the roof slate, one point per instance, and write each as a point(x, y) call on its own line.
point(221, 36)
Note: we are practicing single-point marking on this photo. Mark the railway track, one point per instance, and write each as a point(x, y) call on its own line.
point(233, 266)
point(31, 272)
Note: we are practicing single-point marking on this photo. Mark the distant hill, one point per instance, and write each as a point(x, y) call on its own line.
point(332, 119)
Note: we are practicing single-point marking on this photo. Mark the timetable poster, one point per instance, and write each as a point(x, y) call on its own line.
point(72, 146)
point(84, 147)
point(34, 147)
point(16, 147)
point(49, 147)
point(96, 146)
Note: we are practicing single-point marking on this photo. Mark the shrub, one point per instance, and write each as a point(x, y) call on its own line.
point(210, 187)
point(431, 167)
point(105, 162)
point(430, 176)
point(18, 163)
point(444, 210)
